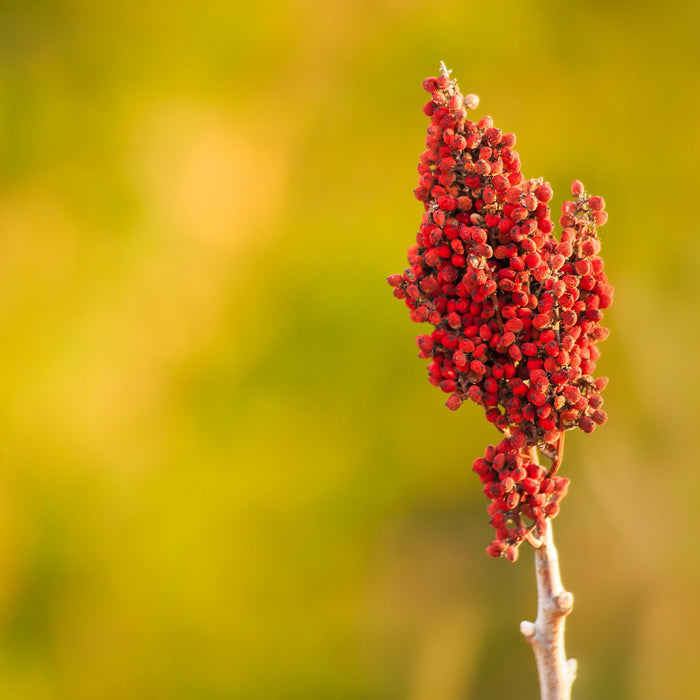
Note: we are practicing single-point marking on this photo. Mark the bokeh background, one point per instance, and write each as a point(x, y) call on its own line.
point(223, 473)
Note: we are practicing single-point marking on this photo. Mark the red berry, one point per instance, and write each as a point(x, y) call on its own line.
point(596, 203)
point(496, 549)
point(544, 192)
point(454, 402)
point(430, 84)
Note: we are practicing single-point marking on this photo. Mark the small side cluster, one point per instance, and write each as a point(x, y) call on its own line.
point(516, 311)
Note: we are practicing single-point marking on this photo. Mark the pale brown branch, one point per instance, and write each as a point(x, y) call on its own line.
point(556, 462)
point(546, 634)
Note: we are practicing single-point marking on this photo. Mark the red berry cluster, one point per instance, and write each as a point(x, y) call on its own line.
point(516, 312)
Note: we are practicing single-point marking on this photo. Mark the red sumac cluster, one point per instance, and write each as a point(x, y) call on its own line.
point(516, 311)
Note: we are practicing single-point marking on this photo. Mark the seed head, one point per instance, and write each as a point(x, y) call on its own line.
point(516, 311)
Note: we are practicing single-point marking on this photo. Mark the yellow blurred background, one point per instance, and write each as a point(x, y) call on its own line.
point(223, 473)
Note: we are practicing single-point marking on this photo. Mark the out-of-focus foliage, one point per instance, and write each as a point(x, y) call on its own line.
point(223, 473)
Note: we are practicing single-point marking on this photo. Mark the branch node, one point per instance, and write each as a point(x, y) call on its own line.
point(564, 602)
point(572, 667)
point(528, 629)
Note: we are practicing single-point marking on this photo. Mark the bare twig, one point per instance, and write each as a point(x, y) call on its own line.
point(546, 634)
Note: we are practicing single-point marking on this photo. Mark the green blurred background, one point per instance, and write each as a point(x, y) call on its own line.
point(223, 473)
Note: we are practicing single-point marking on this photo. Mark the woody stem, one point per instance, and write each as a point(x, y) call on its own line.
point(546, 634)
point(556, 462)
